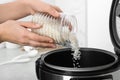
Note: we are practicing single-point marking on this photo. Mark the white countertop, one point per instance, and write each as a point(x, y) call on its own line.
point(19, 71)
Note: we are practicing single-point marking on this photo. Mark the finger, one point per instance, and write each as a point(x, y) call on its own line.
point(39, 38)
point(57, 8)
point(38, 44)
point(29, 24)
point(53, 12)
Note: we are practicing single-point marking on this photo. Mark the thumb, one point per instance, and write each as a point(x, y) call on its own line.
point(29, 24)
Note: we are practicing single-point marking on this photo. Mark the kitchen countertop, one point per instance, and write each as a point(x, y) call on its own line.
point(18, 71)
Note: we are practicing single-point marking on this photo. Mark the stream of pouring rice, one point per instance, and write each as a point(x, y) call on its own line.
point(76, 53)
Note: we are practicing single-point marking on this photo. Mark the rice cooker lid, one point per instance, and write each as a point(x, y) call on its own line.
point(113, 22)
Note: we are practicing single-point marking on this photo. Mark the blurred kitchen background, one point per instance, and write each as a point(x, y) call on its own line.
point(93, 20)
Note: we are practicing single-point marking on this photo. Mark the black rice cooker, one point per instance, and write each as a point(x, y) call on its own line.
point(95, 64)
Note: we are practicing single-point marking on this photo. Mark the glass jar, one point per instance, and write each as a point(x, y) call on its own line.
point(57, 28)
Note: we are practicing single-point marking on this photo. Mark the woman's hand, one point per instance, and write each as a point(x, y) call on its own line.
point(40, 6)
point(22, 8)
point(17, 32)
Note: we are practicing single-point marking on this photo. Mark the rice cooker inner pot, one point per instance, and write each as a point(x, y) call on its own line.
point(91, 60)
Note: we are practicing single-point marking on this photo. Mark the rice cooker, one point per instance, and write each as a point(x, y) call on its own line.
point(95, 64)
